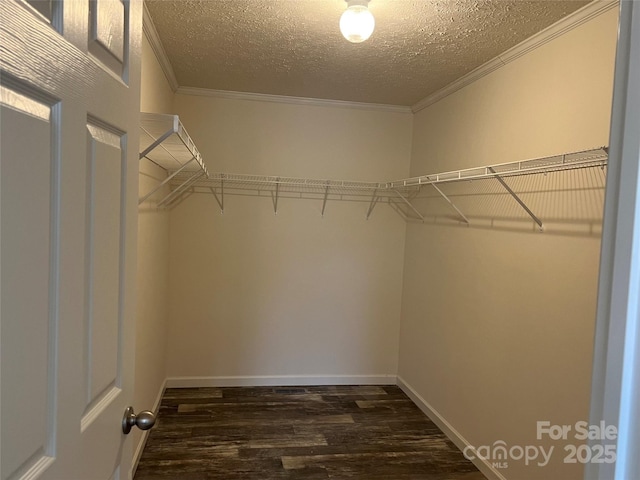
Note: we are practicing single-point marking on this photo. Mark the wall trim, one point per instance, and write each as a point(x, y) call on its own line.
point(263, 97)
point(565, 25)
point(149, 29)
point(279, 380)
point(137, 454)
point(483, 465)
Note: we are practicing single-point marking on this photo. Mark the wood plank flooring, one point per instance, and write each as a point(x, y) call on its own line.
point(305, 433)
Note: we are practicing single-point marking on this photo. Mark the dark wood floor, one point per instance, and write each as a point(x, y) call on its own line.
point(337, 432)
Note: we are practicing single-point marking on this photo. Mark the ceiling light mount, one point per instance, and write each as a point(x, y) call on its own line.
point(357, 22)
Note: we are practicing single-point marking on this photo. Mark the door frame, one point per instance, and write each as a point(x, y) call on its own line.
point(616, 362)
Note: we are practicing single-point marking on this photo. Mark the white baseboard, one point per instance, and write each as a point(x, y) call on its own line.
point(279, 380)
point(483, 465)
point(145, 434)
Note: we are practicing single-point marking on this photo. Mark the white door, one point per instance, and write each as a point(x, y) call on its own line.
point(69, 85)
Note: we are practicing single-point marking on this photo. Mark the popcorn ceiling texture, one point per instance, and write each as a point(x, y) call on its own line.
point(294, 47)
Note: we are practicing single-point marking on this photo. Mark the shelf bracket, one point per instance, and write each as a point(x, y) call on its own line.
point(165, 181)
point(160, 139)
point(398, 210)
point(275, 198)
point(410, 204)
point(464, 218)
point(517, 198)
point(374, 200)
point(324, 202)
point(218, 199)
point(180, 189)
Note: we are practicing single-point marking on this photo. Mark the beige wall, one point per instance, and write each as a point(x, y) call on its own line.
point(493, 328)
point(258, 294)
point(153, 254)
point(497, 326)
point(156, 95)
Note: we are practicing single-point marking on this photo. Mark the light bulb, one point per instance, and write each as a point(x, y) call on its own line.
point(357, 22)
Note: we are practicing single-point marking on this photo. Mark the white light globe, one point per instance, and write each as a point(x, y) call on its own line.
point(357, 23)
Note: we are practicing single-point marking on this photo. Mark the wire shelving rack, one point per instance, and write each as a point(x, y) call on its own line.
point(165, 142)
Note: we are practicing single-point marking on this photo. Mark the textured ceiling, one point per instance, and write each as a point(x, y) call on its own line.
point(294, 47)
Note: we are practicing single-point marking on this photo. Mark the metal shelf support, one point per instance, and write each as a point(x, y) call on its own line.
point(165, 181)
point(410, 205)
point(464, 219)
point(174, 193)
point(374, 200)
point(517, 198)
point(324, 201)
point(275, 199)
point(220, 201)
point(158, 141)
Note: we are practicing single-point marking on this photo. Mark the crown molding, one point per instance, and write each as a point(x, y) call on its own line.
point(565, 25)
point(151, 33)
point(262, 97)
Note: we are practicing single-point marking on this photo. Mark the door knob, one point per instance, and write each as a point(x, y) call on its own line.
point(143, 420)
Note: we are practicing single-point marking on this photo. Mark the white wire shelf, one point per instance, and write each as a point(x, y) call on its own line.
point(221, 184)
point(264, 183)
point(582, 159)
point(588, 159)
point(399, 194)
point(165, 142)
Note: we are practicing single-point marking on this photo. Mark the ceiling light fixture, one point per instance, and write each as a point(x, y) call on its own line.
point(357, 22)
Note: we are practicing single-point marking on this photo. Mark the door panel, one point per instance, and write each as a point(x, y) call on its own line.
point(28, 194)
point(104, 228)
point(108, 33)
point(48, 9)
point(68, 202)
